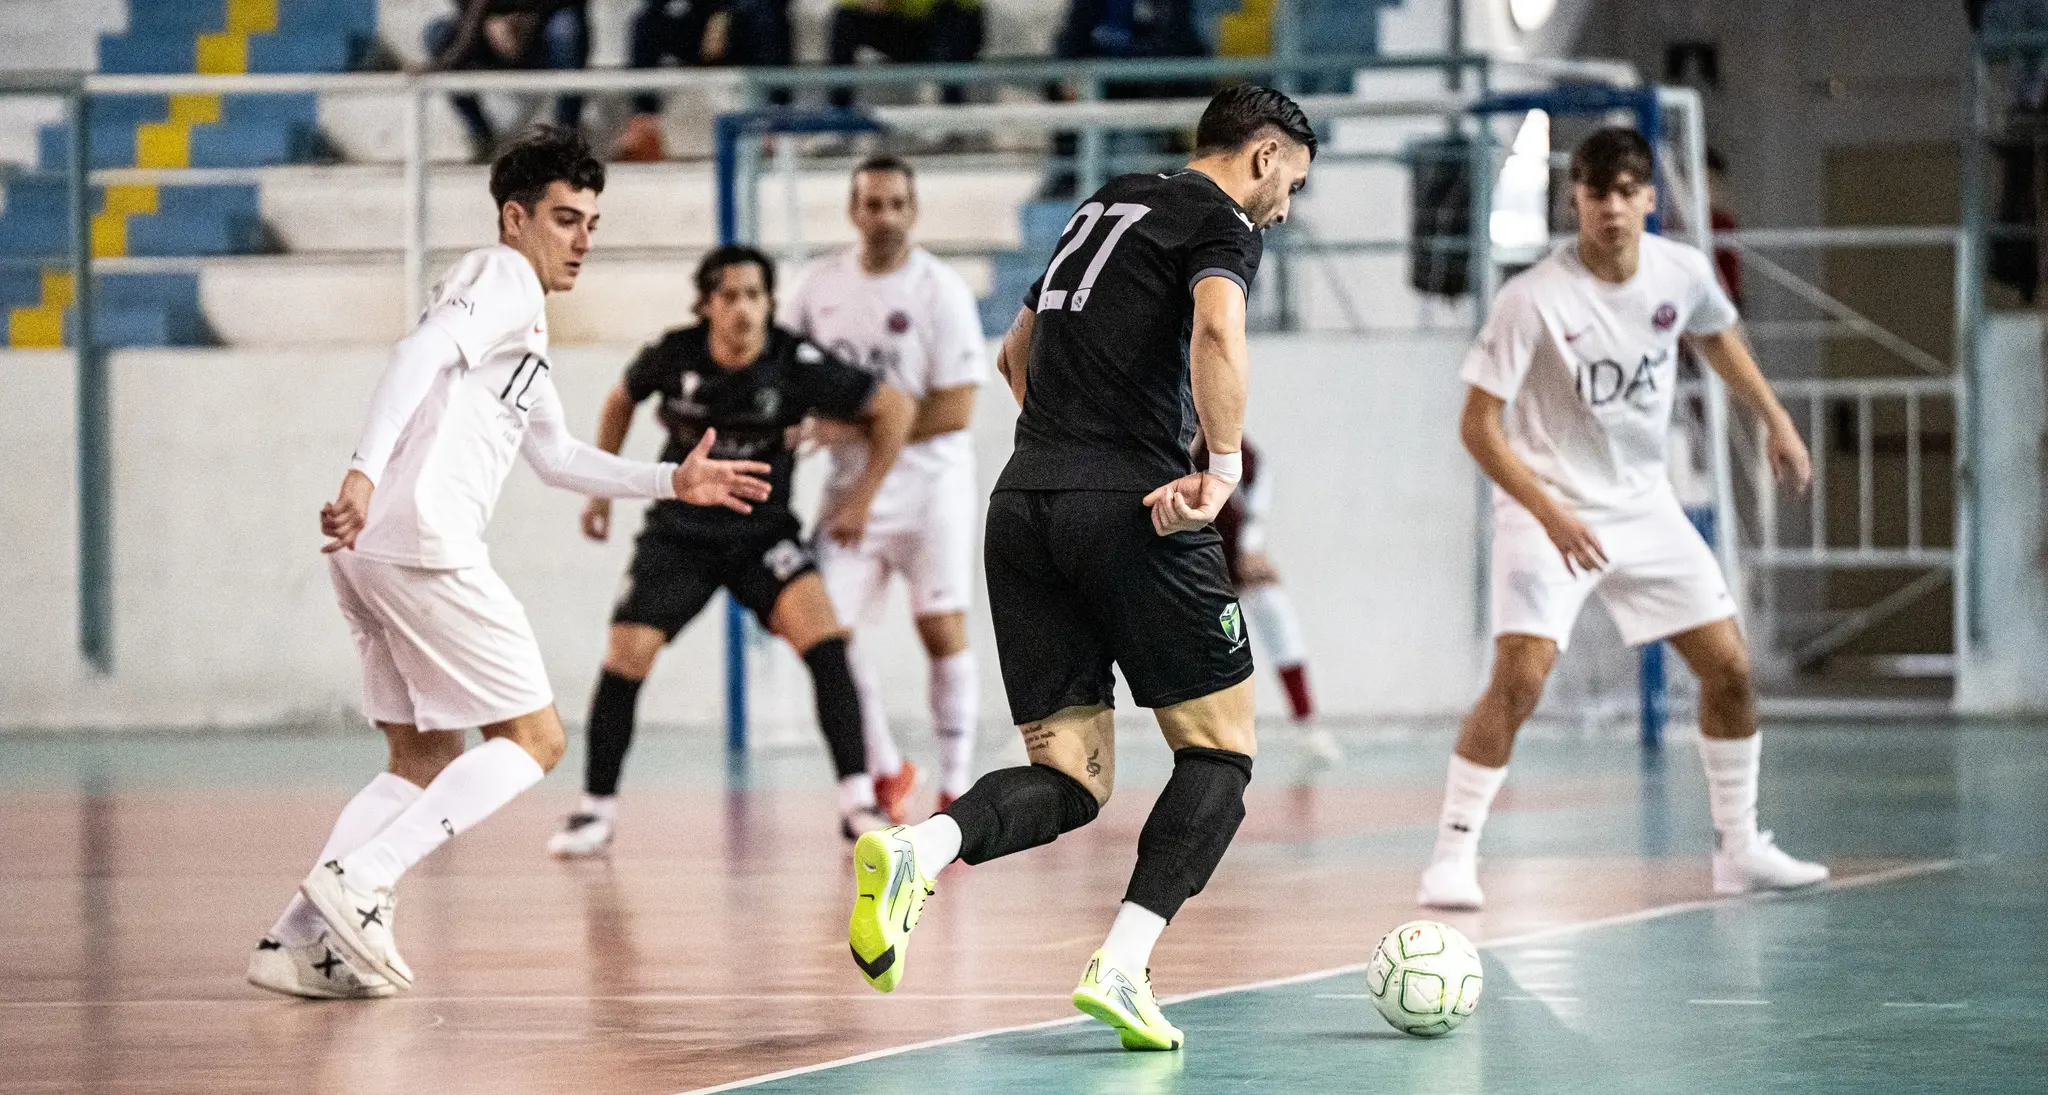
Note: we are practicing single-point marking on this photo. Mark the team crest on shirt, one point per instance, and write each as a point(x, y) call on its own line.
point(1667, 315)
point(899, 322)
point(1232, 622)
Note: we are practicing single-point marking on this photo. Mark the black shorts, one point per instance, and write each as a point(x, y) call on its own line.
point(1077, 580)
point(673, 577)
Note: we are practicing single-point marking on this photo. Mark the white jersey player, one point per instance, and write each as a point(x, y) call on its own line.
point(1568, 411)
point(443, 643)
point(896, 311)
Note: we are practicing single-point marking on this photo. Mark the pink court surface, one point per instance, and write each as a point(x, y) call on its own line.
point(710, 948)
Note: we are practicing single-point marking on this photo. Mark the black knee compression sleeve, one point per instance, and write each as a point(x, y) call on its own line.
point(1191, 825)
point(838, 705)
point(610, 732)
point(1012, 809)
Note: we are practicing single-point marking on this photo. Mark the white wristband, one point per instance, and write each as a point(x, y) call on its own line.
point(1227, 466)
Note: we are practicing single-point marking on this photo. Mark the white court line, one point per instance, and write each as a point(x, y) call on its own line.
point(1658, 912)
point(1918, 1004)
point(1542, 999)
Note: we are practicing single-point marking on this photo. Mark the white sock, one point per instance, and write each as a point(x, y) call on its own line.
point(1274, 624)
point(1732, 769)
point(469, 790)
point(382, 799)
point(856, 792)
point(1468, 795)
point(599, 806)
point(937, 841)
point(884, 759)
point(956, 704)
point(1131, 936)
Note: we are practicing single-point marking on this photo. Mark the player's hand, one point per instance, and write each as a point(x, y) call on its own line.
point(1790, 463)
point(343, 518)
point(1575, 541)
point(597, 519)
point(1188, 503)
point(847, 523)
point(734, 484)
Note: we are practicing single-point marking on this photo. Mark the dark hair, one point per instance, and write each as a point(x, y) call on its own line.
point(1241, 112)
point(711, 270)
point(1716, 161)
point(886, 162)
point(1607, 154)
point(541, 155)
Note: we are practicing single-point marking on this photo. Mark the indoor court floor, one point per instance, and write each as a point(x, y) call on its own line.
point(710, 952)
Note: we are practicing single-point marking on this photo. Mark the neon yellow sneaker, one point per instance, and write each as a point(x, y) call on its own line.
point(1126, 1003)
point(889, 893)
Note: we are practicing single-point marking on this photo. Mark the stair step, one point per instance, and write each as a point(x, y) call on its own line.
point(163, 17)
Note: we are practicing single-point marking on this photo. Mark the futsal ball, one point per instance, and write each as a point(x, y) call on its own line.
point(1425, 978)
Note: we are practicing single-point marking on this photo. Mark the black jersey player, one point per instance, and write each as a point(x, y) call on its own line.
point(1099, 551)
point(738, 376)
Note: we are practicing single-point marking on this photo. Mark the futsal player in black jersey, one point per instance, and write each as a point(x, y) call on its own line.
point(1099, 549)
point(749, 382)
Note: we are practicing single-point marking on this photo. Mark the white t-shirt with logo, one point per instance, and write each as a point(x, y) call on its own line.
point(446, 423)
point(917, 328)
point(1587, 368)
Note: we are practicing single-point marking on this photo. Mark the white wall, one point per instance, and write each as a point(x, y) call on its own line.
point(224, 615)
point(2000, 672)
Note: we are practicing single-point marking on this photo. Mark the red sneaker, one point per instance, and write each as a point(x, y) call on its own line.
point(891, 792)
point(945, 800)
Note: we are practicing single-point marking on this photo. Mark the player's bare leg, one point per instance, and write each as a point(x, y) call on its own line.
point(354, 893)
point(297, 957)
point(629, 656)
point(955, 699)
point(1521, 666)
point(1745, 858)
point(804, 618)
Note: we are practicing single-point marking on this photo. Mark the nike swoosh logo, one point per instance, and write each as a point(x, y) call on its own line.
point(879, 966)
point(1575, 337)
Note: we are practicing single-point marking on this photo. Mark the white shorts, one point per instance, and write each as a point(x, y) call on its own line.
point(441, 649)
point(930, 544)
point(1660, 580)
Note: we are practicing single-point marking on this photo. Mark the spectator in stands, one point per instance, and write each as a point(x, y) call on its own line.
point(1118, 29)
point(907, 32)
point(517, 34)
point(700, 32)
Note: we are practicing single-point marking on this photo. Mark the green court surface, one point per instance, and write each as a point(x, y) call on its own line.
point(1928, 977)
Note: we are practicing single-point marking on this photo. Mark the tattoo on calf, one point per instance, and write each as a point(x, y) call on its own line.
point(1094, 762)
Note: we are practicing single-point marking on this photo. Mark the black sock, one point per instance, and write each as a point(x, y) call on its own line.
point(838, 705)
point(1190, 827)
point(1012, 809)
point(610, 732)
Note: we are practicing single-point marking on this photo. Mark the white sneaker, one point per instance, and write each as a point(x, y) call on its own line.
point(1451, 883)
point(360, 920)
point(1762, 865)
point(1319, 749)
point(317, 970)
point(858, 823)
point(582, 836)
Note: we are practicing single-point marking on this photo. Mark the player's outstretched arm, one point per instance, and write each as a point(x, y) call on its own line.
point(887, 418)
point(1487, 440)
point(1219, 372)
point(562, 461)
point(408, 376)
point(1730, 358)
point(1015, 353)
point(614, 421)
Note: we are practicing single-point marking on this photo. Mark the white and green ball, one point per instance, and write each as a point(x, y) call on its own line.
point(1425, 978)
